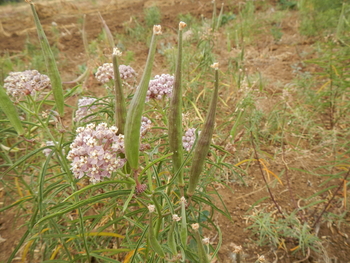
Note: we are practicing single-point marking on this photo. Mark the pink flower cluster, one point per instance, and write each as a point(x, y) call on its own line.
point(160, 86)
point(105, 72)
point(25, 83)
point(189, 138)
point(145, 125)
point(48, 151)
point(85, 108)
point(94, 152)
point(126, 72)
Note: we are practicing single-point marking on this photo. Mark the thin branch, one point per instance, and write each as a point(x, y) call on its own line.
point(263, 176)
point(330, 201)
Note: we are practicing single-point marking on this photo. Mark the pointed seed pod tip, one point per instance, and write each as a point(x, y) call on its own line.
point(117, 52)
point(157, 29)
point(182, 25)
point(215, 66)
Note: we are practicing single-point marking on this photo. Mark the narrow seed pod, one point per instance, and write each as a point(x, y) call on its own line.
point(220, 16)
point(108, 32)
point(120, 107)
point(202, 147)
point(84, 36)
point(51, 65)
point(133, 117)
point(183, 229)
point(171, 238)
point(153, 239)
point(10, 111)
point(203, 258)
point(213, 22)
point(175, 114)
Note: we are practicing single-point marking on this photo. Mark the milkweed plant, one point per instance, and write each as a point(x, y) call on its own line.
point(109, 190)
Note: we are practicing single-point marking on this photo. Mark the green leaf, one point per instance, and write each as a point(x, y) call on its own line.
point(25, 158)
point(79, 204)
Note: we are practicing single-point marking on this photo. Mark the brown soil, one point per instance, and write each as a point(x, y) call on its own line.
point(273, 60)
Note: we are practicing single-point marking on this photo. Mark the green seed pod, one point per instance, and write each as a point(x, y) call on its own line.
point(203, 258)
point(133, 117)
point(202, 147)
point(183, 230)
point(213, 19)
point(175, 114)
point(51, 66)
point(107, 31)
point(153, 239)
point(10, 111)
point(220, 16)
point(171, 238)
point(120, 108)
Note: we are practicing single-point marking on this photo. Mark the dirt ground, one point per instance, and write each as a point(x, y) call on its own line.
point(272, 60)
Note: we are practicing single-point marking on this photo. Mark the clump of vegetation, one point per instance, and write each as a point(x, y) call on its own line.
point(150, 194)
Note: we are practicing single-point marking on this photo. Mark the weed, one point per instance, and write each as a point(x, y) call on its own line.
point(152, 16)
point(69, 213)
point(319, 16)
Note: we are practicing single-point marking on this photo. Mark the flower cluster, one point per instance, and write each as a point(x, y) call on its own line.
point(105, 72)
point(48, 150)
point(189, 139)
point(94, 152)
point(126, 72)
point(25, 83)
point(160, 86)
point(145, 126)
point(85, 108)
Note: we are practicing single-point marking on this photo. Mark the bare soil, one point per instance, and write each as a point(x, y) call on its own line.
point(273, 60)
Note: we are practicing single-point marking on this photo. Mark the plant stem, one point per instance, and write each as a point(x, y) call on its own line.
point(263, 176)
